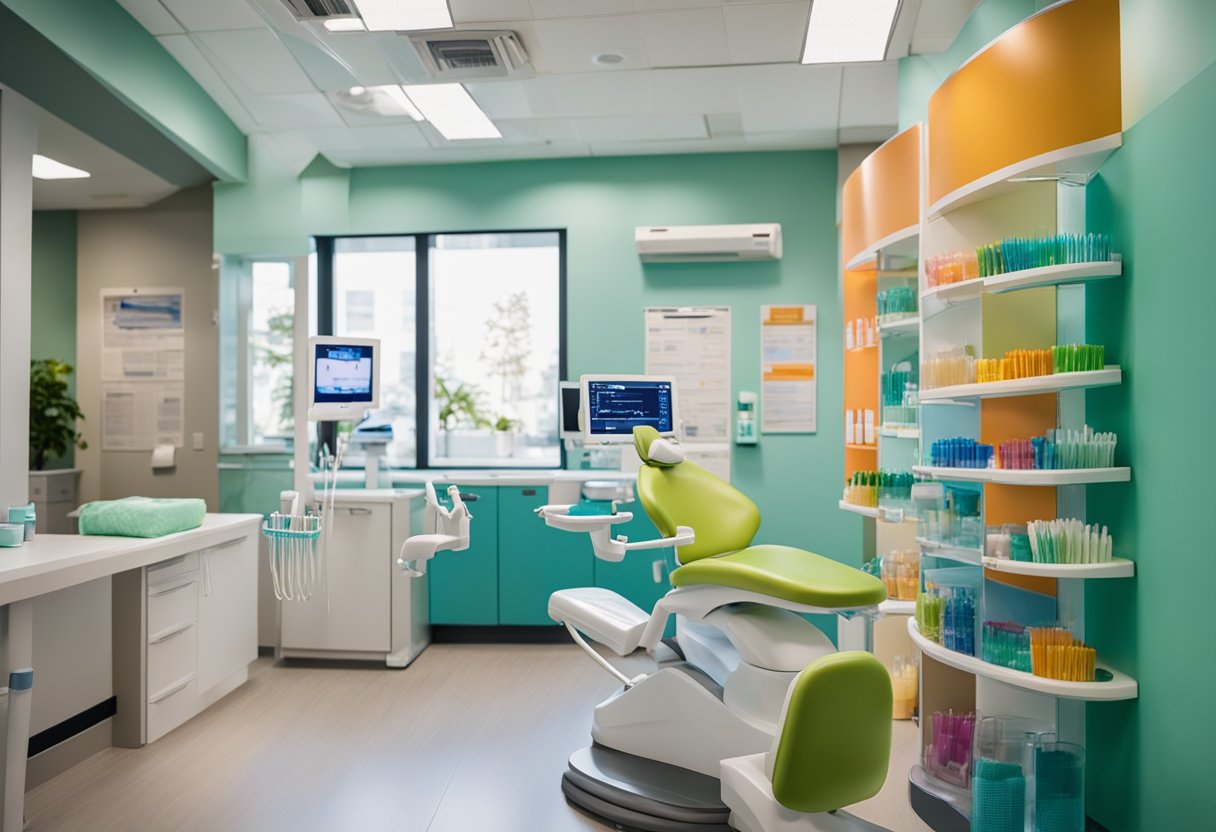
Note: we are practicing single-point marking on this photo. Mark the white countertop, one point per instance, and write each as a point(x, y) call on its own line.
point(51, 562)
point(502, 476)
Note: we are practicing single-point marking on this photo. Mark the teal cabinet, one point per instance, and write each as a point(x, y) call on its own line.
point(634, 576)
point(534, 560)
point(464, 585)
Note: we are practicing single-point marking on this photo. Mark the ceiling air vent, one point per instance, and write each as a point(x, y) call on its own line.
point(460, 55)
point(319, 9)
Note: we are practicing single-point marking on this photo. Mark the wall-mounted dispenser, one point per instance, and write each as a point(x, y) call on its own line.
point(747, 428)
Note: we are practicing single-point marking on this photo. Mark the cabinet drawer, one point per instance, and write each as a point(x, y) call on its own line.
point(172, 603)
point(172, 656)
point(169, 707)
point(169, 570)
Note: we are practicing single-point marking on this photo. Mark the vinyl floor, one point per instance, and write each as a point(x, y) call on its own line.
point(470, 738)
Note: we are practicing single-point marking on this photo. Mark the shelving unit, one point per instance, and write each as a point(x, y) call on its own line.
point(864, 511)
point(1115, 568)
point(902, 244)
point(899, 432)
point(1003, 476)
point(901, 326)
point(983, 184)
point(856, 446)
point(957, 553)
point(1055, 383)
point(1119, 687)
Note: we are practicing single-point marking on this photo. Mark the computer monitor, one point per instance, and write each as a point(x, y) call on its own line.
point(343, 376)
point(568, 405)
point(613, 405)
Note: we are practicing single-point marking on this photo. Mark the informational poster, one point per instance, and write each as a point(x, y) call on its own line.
point(140, 416)
point(143, 367)
point(787, 369)
point(692, 345)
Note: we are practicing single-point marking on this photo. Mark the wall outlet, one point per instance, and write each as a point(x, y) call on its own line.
point(197, 441)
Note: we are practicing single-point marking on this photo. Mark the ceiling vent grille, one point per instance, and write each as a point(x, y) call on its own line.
point(319, 9)
point(472, 56)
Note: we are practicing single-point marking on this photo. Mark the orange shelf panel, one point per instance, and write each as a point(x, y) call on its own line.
point(882, 196)
point(1050, 83)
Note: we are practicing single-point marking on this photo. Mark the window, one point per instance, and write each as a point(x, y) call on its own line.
point(271, 417)
point(490, 334)
point(374, 293)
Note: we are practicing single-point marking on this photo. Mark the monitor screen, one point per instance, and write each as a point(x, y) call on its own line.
point(343, 373)
point(570, 398)
point(615, 406)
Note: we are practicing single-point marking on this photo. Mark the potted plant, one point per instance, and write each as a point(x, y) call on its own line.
point(53, 416)
point(458, 405)
point(504, 436)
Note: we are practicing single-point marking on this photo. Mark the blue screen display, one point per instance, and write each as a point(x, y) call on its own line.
point(343, 373)
point(615, 408)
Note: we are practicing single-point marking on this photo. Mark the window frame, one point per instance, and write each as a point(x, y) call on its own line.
point(424, 369)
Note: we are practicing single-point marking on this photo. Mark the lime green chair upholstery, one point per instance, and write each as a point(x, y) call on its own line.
point(725, 522)
point(835, 743)
point(685, 494)
point(784, 572)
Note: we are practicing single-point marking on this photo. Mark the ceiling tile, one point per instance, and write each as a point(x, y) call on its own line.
point(569, 45)
point(599, 94)
point(502, 99)
point(702, 90)
point(645, 128)
point(554, 130)
point(939, 22)
point(666, 5)
point(768, 33)
point(789, 88)
point(865, 135)
point(388, 137)
point(542, 9)
point(754, 124)
point(214, 15)
point(326, 139)
point(303, 110)
point(870, 95)
point(364, 63)
point(694, 37)
point(668, 147)
point(477, 11)
point(152, 16)
point(256, 60)
point(183, 50)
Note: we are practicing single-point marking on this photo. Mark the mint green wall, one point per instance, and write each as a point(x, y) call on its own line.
point(53, 295)
point(103, 38)
point(1151, 759)
point(795, 479)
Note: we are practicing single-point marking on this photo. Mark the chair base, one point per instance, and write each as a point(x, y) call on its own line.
point(634, 793)
point(747, 790)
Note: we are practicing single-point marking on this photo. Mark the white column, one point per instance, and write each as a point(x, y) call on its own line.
point(18, 141)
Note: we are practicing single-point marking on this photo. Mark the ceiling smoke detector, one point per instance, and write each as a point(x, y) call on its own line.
point(462, 55)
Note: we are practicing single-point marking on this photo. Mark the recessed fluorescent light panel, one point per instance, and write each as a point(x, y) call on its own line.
point(404, 15)
point(397, 95)
point(849, 31)
point(453, 111)
point(345, 24)
point(45, 168)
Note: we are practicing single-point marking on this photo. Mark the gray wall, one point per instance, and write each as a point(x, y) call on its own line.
point(167, 245)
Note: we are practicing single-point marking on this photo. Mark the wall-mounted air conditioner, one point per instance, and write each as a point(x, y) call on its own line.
point(707, 243)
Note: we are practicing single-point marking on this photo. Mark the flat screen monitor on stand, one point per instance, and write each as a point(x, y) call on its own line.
point(614, 405)
point(344, 383)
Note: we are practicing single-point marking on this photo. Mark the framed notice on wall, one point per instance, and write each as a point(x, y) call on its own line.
point(787, 369)
point(143, 349)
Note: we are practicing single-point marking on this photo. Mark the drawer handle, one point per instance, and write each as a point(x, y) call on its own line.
point(158, 593)
point(173, 632)
point(358, 511)
point(176, 687)
point(529, 492)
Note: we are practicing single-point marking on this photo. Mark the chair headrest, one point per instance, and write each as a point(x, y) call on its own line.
point(654, 450)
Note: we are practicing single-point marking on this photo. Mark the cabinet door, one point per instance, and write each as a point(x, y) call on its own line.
point(634, 576)
point(464, 585)
point(535, 560)
point(352, 612)
point(227, 610)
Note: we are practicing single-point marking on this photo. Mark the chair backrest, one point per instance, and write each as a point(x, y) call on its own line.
point(835, 740)
point(685, 494)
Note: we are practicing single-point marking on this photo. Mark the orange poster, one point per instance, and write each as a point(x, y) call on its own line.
point(787, 369)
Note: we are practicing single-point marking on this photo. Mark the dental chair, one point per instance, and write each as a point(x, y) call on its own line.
point(750, 700)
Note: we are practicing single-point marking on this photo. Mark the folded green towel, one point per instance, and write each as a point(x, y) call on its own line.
point(141, 516)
